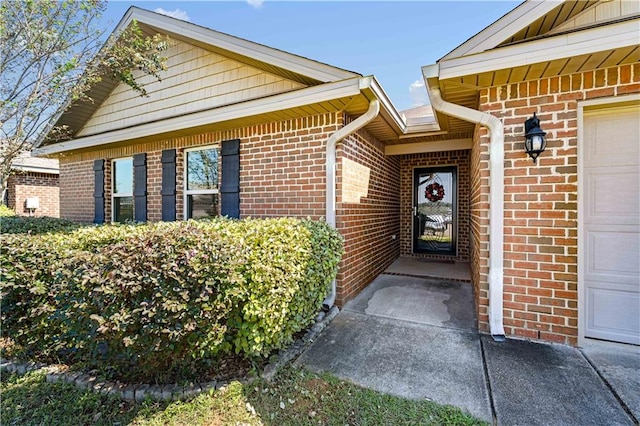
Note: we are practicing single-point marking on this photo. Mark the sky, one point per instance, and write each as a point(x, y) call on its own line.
point(391, 40)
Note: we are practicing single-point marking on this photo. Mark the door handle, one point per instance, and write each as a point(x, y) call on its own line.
point(415, 211)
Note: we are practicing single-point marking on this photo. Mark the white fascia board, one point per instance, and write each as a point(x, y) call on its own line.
point(430, 71)
point(413, 131)
point(615, 36)
point(381, 95)
point(297, 98)
point(508, 25)
point(46, 170)
point(307, 67)
point(422, 147)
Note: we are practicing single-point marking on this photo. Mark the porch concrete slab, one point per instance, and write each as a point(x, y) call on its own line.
point(620, 368)
point(403, 358)
point(458, 271)
point(539, 384)
point(424, 301)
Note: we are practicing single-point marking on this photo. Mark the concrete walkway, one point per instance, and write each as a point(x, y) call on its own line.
point(416, 338)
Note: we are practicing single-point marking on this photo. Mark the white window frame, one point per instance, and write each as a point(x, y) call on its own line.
point(113, 186)
point(115, 195)
point(188, 192)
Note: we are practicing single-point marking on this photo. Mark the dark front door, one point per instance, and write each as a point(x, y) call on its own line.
point(435, 191)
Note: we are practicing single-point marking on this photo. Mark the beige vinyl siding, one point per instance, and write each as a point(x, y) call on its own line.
point(196, 79)
point(602, 12)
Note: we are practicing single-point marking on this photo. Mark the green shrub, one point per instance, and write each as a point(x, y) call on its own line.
point(34, 265)
point(35, 225)
point(157, 301)
point(30, 269)
point(141, 300)
point(6, 211)
point(288, 270)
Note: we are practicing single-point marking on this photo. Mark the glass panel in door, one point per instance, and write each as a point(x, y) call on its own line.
point(434, 211)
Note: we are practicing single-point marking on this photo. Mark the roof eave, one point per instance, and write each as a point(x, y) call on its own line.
point(307, 96)
point(46, 170)
point(519, 17)
point(596, 39)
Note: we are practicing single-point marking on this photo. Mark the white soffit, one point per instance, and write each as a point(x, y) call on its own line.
point(610, 37)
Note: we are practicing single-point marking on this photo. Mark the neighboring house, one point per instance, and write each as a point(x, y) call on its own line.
point(33, 186)
point(241, 129)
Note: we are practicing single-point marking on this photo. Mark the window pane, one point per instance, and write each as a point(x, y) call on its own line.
point(202, 205)
point(122, 209)
point(123, 176)
point(202, 169)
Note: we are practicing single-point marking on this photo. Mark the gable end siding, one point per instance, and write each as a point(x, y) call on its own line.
point(195, 80)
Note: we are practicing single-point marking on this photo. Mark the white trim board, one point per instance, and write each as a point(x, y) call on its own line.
point(420, 147)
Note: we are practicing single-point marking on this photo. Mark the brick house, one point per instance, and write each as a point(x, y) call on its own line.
point(240, 129)
point(33, 186)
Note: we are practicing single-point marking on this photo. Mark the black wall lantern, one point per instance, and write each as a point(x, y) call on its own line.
point(534, 141)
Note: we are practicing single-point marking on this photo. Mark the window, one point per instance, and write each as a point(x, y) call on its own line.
point(201, 183)
point(122, 193)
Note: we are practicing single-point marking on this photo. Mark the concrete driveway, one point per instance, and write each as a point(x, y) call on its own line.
point(416, 338)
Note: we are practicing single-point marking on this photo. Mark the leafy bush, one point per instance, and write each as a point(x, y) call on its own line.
point(6, 211)
point(156, 301)
point(28, 280)
point(288, 270)
point(165, 297)
point(35, 225)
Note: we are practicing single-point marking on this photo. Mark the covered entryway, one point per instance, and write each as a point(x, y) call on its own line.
point(609, 223)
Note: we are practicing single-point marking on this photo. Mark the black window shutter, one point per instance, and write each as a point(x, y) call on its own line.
point(168, 191)
point(140, 187)
point(230, 188)
point(98, 191)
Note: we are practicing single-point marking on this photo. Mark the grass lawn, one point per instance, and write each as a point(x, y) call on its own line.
point(295, 397)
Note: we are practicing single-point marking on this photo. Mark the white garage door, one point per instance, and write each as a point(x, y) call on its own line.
point(611, 223)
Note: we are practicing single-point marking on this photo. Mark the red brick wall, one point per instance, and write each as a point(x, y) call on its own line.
point(367, 211)
point(540, 297)
point(433, 159)
point(45, 186)
point(76, 189)
point(281, 170)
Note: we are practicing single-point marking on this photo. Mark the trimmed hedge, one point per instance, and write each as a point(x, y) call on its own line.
point(165, 297)
point(12, 224)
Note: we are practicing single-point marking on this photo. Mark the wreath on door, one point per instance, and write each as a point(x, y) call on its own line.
point(434, 192)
